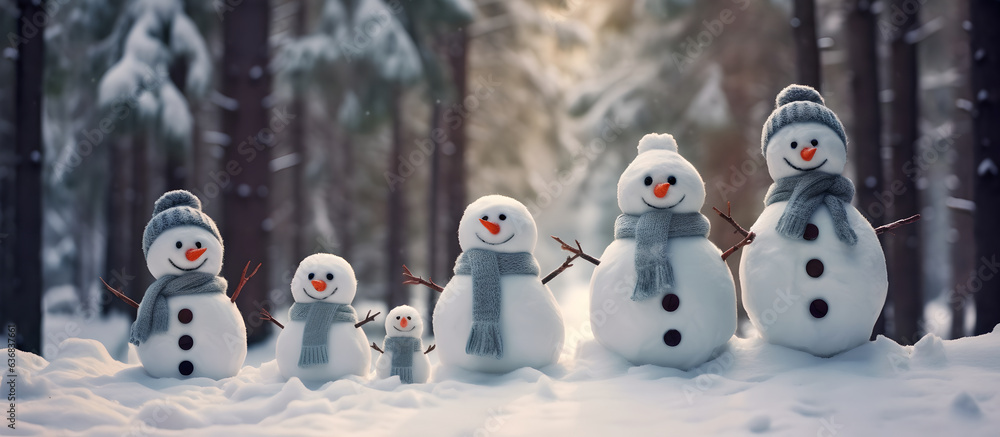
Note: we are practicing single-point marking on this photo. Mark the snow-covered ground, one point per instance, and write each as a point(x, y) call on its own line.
point(933, 388)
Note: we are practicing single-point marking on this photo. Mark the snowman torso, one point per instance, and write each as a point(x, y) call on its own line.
point(421, 366)
point(815, 294)
point(697, 315)
point(532, 325)
point(205, 337)
point(347, 347)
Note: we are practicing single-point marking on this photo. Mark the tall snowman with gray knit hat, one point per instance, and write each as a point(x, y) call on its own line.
point(814, 278)
point(186, 326)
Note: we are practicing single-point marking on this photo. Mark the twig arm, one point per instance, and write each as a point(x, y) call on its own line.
point(266, 316)
point(578, 251)
point(728, 217)
point(429, 349)
point(410, 279)
point(565, 265)
point(369, 318)
point(890, 226)
point(745, 241)
point(120, 295)
point(375, 346)
point(243, 280)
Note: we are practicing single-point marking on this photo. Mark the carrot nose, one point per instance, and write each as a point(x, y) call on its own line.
point(661, 190)
point(319, 285)
point(807, 153)
point(490, 226)
point(402, 322)
point(193, 254)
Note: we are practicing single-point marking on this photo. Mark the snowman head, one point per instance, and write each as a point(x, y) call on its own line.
point(180, 238)
point(404, 321)
point(802, 135)
point(497, 223)
point(323, 277)
point(660, 179)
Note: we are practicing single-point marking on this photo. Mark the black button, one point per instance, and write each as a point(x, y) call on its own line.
point(185, 315)
point(811, 233)
point(818, 308)
point(185, 342)
point(186, 368)
point(814, 268)
point(671, 302)
point(672, 338)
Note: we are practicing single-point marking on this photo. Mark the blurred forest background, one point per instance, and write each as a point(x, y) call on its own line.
point(364, 127)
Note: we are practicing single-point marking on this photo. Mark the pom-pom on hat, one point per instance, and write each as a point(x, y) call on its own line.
point(657, 142)
point(173, 209)
point(799, 104)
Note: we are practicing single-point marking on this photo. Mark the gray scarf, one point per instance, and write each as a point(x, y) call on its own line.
point(319, 316)
point(652, 232)
point(402, 349)
point(486, 267)
point(153, 317)
point(804, 193)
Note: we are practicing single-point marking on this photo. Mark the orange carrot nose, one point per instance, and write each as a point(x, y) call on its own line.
point(402, 322)
point(807, 153)
point(490, 226)
point(661, 190)
point(193, 254)
point(319, 285)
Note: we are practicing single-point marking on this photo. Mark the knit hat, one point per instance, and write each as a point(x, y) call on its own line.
point(799, 104)
point(173, 209)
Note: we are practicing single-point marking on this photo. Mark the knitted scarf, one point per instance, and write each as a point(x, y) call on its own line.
point(319, 316)
point(804, 193)
point(652, 232)
point(486, 267)
point(153, 317)
point(402, 349)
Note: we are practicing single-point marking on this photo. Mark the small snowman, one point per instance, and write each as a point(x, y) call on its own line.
point(186, 326)
point(814, 279)
point(322, 341)
point(402, 351)
point(661, 293)
point(496, 314)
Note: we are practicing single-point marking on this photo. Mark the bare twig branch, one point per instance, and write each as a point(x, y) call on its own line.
point(409, 279)
point(578, 251)
point(369, 318)
point(890, 226)
point(430, 348)
point(266, 316)
point(728, 217)
point(565, 265)
point(120, 295)
point(375, 346)
point(745, 241)
point(243, 280)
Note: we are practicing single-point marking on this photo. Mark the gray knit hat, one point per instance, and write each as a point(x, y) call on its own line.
point(173, 209)
point(799, 104)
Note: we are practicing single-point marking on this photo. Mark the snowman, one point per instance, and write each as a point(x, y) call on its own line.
point(496, 314)
point(186, 326)
point(322, 341)
point(814, 278)
point(661, 293)
point(402, 351)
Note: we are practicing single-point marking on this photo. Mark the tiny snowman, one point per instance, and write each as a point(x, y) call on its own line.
point(661, 293)
point(814, 279)
point(322, 341)
point(402, 351)
point(496, 314)
point(186, 326)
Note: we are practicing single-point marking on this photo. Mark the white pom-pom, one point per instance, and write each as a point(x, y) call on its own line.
point(657, 142)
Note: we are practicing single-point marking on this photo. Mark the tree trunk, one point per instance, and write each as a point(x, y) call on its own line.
point(175, 157)
point(457, 50)
point(904, 257)
point(120, 241)
point(963, 256)
point(141, 211)
point(807, 52)
point(297, 136)
point(985, 42)
point(23, 299)
point(245, 197)
point(866, 135)
point(434, 206)
point(397, 212)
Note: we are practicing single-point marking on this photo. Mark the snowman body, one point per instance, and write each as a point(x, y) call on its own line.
point(404, 321)
point(421, 366)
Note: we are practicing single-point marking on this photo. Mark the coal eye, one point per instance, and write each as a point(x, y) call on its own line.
point(503, 217)
point(648, 181)
point(397, 317)
point(672, 180)
point(197, 244)
point(312, 275)
point(486, 217)
point(794, 144)
point(814, 143)
point(329, 276)
point(178, 245)
point(409, 318)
